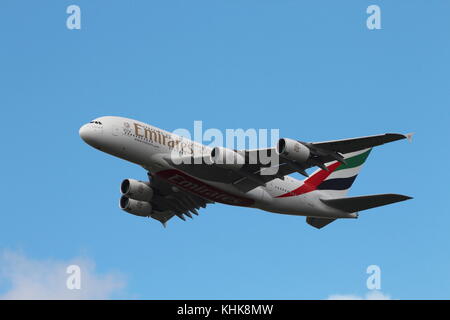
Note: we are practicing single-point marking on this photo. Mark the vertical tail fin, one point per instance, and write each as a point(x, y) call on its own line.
point(340, 176)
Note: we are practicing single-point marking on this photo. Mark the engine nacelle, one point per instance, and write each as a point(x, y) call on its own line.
point(293, 150)
point(138, 208)
point(227, 158)
point(137, 190)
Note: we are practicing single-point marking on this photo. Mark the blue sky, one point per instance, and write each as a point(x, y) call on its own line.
point(311, 69)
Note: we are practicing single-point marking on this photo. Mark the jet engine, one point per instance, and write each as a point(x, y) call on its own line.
point(137, 190)
point(293, 150)
point(226, 158)
point(136, 207)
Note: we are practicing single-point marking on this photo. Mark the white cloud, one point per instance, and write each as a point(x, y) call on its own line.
point(371, 295)
point(27, 278)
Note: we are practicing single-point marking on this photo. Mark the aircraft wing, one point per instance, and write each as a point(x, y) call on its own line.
point(256, 173)
point(321, 153)
point(169, 201)
point(244, 179)
point(356, 144)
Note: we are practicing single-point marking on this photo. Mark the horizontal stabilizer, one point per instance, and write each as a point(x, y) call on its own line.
point(318, 222)
point(355, 204)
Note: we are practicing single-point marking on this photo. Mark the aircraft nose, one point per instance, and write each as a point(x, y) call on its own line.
point(92, 133)
point(84, 133)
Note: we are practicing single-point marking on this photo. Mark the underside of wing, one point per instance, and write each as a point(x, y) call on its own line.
point(310, 154)
point(259, 166)
point(253, 173)
point(169, 201)
point(356, 144)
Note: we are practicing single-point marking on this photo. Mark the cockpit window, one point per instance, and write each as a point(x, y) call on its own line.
point(96, 122)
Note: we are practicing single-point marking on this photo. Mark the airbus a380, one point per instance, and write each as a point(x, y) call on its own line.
point(177, 187)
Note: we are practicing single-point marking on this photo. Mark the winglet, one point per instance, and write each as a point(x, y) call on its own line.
point(409, 136)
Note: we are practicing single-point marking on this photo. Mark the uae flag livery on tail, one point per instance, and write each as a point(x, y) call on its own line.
point(342, 177)
point(337, 179)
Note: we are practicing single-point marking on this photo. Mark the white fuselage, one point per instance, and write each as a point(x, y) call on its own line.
point(148, 147)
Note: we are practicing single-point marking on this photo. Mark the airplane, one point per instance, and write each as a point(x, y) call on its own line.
point(177, 187)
